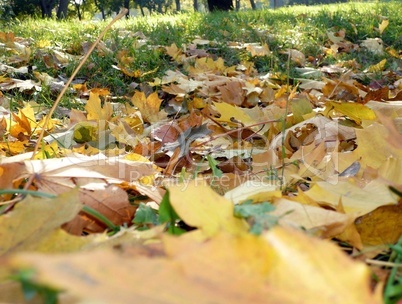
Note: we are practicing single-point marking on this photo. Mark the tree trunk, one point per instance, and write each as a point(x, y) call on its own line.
point(142, 11)
point(195, 5)
point(237, 5)
point(46, 7)
point(101, 8)
point(127, 6)
point(178, 7)
point(159, 8)
point(77, 7)
point(221, 5)
point(62, 9)
point(253, 6)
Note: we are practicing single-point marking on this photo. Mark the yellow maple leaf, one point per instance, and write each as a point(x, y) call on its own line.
point(97, 112)
point(378, 67)
point(149, 106)
point(383, 25)
point(13, 147)
point(175, 52)
point(205, 64)
point(228, 112)
point(199, 206)
point(354, 111)
point(48, 151)
point(241, 269)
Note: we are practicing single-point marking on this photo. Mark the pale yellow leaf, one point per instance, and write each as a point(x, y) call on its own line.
point(34, 219)
point(199, 206)
point(258, 191)
point(95, 109)
point(383, 25)
point(241, 269)
point(354, 199)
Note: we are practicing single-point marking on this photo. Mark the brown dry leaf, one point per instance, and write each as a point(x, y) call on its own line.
point(296, 56)
point(149, 106)
point(241, 269)
point(34, 219)
point(10, 172)
point(111, 201)
point(381, 94)
point(383, 226)
point(232, 92)
point(342, 89)
point(91, 172)
point(317, 129)
point(317, 221)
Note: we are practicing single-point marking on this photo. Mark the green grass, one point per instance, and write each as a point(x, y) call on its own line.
point(302, 28)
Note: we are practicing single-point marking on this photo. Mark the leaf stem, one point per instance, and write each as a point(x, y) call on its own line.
point(63, 91)
point(99, 216)
point(88, 210)
point(26, 192)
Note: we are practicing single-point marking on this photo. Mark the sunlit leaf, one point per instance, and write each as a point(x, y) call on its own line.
point(34, 219)
point(149, 106)
point(199, 206)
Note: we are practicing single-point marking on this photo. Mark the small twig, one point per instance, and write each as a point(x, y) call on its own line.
point(63, 91)
point(285, 115)
point(383, 263)
point(339, 82)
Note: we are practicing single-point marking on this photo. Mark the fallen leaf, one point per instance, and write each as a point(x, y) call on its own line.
point(199, 206)
point(317, 221)
point(243, 268)
point(383, 25)
point(355, 200)
point(149, 106)
point(97, 112)
point(34, 219)
point(382, 226)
